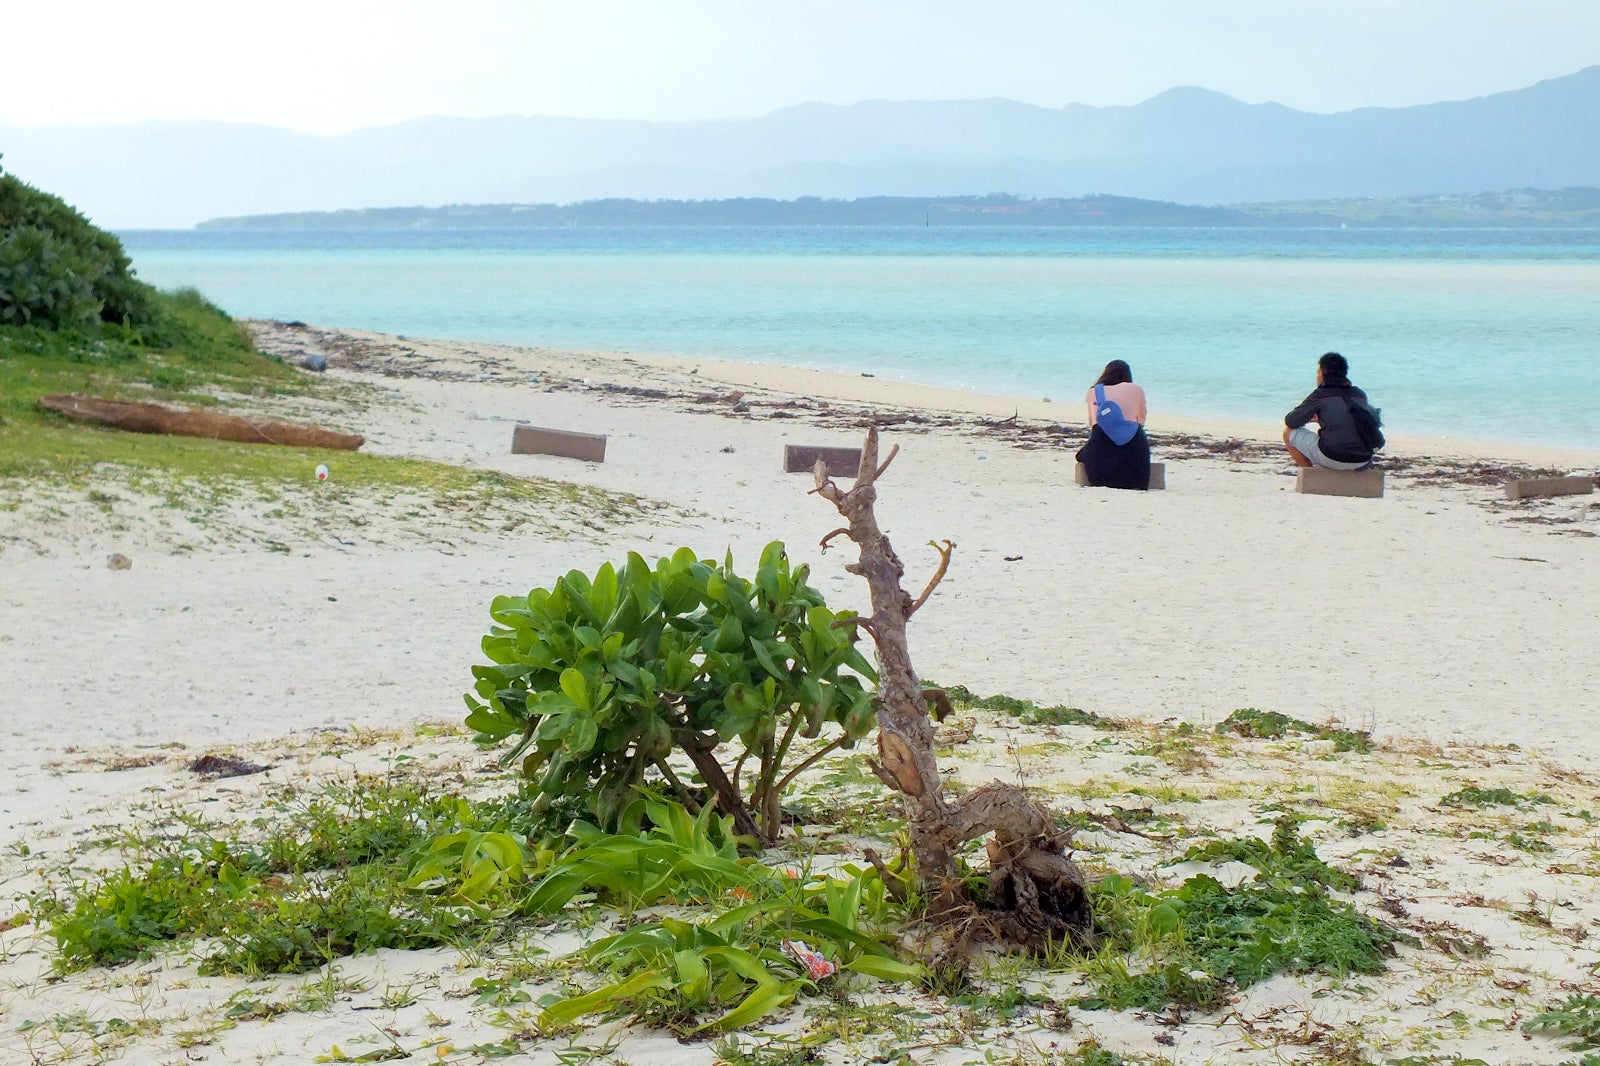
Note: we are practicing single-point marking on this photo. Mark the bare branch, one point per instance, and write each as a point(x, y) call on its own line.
point(867, 472)
point(882, 775)
point(894, 451)
point(895, 887)
point(858, 622)
point(939, 701)
point(842, 531)
point(938, 575)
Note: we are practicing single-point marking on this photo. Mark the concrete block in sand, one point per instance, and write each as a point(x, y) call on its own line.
point(802, 459)
point(1158, 476)
point(1580, 485)
point(1317, 481)
point(537, 440)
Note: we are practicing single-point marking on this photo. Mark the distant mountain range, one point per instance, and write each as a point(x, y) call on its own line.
point(1577, 207)
point(1187, 145)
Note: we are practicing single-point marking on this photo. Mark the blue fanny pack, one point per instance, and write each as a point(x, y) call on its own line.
point(1109, 417)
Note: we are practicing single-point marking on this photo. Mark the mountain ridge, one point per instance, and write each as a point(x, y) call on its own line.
point(1187, 144)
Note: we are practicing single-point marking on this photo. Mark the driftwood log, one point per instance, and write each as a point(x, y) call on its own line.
point(182, 422)
point(1037, 894)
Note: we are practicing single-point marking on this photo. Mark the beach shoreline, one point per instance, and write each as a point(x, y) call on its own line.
point(872, 390)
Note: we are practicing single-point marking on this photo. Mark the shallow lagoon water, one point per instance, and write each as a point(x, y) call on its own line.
point(1459, 334)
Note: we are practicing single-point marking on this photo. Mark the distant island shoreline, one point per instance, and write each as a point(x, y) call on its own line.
point(1575, 207)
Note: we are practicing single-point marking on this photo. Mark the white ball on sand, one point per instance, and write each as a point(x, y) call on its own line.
point(322, 471)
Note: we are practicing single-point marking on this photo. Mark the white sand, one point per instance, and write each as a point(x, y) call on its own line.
point(1440, 611)
point(1431, 612)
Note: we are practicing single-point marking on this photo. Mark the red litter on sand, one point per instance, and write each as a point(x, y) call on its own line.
point(816, 966)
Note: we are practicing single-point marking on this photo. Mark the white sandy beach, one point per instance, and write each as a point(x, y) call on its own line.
point(1441, 613)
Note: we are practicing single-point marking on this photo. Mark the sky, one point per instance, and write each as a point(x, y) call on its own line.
point(335, 65)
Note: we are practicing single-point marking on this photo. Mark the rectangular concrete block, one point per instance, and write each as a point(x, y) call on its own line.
point(1580, 485)
point(1158, 476)
point(802, 459)
point(537, 440)
point(1317, 481)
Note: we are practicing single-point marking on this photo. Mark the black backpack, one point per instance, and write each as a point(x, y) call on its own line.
point(1369, 424)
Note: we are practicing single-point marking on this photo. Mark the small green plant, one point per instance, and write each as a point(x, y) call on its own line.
point(601, 680)
point(1473, 796)
point(1027, 710)
point(1268, 725)
point(1192, 945)
point(1287, 855)
point(774, 1051)
point(357, 868)
point(733, 965)
point(1578, 1017)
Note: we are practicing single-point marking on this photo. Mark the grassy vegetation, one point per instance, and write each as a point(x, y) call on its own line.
point(1195, 945)
point(1026, 711)
point(556, 932)
point(1251, 722)
point(50, 466)
point(323, 879)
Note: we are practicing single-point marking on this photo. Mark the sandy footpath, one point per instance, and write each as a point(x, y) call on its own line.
point(1441, 612)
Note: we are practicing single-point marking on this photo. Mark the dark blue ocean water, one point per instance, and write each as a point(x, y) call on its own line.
point(1465, 334)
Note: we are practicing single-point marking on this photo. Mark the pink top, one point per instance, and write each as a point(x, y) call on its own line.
point(1126, 395)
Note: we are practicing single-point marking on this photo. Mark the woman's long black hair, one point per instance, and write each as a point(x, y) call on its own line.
point(1115, 373)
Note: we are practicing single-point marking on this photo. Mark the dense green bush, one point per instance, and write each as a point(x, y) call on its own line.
point(605, 679)
point(59, 270)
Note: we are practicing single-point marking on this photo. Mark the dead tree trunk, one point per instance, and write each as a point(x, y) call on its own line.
point(1036, 893)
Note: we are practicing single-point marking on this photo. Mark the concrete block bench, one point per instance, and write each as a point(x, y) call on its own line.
point(1579, 485)
point(802, 459)
point(1319, 481)
point(537, 440)
point(1158, 476)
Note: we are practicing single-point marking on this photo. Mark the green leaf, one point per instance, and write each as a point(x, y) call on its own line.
point(563, 1013)
point(884, 969)
point(765, 999)
point(576, 687)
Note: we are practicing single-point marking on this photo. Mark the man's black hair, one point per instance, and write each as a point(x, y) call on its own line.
point(1334, 365)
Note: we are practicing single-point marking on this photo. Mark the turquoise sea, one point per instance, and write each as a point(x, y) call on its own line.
point(1489, 335)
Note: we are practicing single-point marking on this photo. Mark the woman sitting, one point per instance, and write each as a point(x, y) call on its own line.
point(1118, 454)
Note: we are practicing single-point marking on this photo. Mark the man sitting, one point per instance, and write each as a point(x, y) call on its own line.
point(1347, 431)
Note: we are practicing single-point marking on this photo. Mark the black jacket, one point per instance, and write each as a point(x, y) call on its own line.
point(1329, 404)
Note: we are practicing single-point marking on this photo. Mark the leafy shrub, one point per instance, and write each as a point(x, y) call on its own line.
point(58, 270)
point(603, 679)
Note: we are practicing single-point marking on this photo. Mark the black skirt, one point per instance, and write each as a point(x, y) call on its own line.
point(1116, 466)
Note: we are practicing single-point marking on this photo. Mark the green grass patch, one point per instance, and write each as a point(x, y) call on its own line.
point(48, 461)
point(316, 880)
point(1026, 710)
point(1473, 796)
point(1269, 725)
point(1578, 1017)
point(1195, 945)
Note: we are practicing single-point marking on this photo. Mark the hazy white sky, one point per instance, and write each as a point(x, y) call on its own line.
point(333, 65)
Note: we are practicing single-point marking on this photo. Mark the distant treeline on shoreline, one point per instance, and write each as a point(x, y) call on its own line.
point(1578, 206)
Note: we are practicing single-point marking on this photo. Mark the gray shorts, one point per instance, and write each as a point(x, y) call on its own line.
point(1304, 440)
